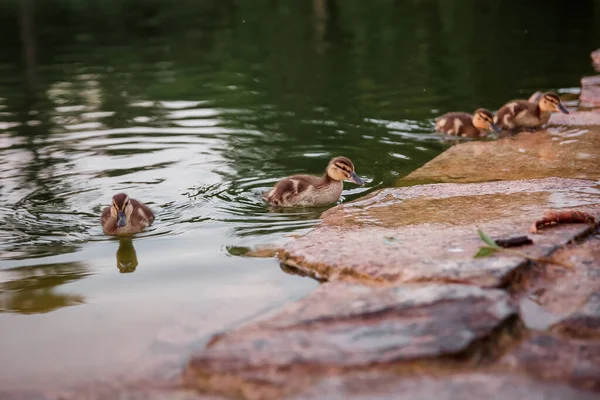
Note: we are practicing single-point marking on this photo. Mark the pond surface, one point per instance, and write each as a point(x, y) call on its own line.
point(195, 108)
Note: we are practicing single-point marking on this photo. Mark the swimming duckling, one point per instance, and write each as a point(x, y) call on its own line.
point(467, 125)
point(524, 114)
point(310, 191)
point(125, 216)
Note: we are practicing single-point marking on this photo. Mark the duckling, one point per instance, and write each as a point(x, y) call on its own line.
point(311, 191)
point(466, 125)
point(528, 115)
point(125, 216)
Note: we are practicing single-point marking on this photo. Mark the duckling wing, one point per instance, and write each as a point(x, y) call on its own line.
point(455, 123)
point(508, 113)
point(288, 189)
point(142, 211)
point(275, 196)
point(108, 226)
point(105, 215)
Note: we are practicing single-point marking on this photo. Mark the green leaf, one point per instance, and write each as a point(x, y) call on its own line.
point(485, 251)
point(488, 240)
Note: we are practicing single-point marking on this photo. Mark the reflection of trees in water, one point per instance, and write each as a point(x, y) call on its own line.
point(31, 290)
point(37, 189)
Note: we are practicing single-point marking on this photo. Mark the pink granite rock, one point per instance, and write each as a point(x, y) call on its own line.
point(568, 152)
point(429, 233)
point(590, 91)
point(342, 327)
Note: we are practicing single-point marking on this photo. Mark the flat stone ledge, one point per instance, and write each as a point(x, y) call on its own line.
point(579, 118)
point(568, 152)
point(473, 386)
point(429, 233)
point(344, 327)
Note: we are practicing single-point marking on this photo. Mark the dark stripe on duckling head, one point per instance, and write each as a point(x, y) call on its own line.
point(119, 200)
point(484, 113)
point(343, 163)
point(552, 97)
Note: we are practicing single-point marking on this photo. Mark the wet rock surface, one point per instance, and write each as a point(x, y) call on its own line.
point(343, 327)
point(418, 341)
point(579, 118)
point(475, 386)
point(569, 152)
point(429, 233)
point(590, 91)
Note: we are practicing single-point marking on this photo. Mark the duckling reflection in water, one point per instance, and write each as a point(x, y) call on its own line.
point(467, 125)
point(126, 256)
point(528, 114)
point(312, 191)
point(126, 216)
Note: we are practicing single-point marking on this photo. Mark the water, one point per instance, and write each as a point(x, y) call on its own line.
point(195, 108)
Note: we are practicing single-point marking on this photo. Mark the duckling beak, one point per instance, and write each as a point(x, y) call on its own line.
point(121, 219)
point(495, 128)
point(356, 179)
point(562, 108)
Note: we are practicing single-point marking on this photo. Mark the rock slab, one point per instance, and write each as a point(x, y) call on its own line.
point(571, 152)
point(344, 327)
point(429, 233)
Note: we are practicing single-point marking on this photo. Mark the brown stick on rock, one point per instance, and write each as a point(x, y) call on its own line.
point(561, 217)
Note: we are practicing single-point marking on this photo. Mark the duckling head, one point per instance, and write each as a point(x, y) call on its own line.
point(484, 120)
point(550, 102)
point(342, 169)
point(121, 209)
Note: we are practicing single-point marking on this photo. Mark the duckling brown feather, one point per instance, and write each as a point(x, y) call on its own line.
point(105, 217)
point(457, 123)
point(304, 190)
point(520, 113)
point(141, 212)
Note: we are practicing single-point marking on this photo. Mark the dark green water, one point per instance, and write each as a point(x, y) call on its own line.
point(194, 107)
